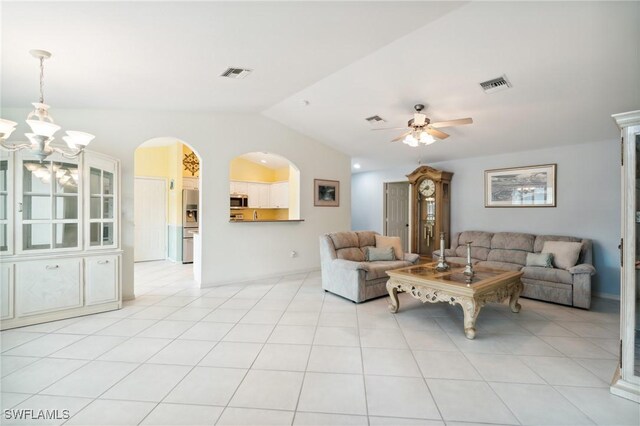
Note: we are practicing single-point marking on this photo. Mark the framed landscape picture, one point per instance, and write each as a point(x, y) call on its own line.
point(326, 193)
point(531, 186)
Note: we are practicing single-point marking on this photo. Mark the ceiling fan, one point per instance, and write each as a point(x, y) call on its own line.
point(423, 131)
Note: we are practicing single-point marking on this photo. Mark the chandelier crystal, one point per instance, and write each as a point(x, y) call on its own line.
point(43, 127)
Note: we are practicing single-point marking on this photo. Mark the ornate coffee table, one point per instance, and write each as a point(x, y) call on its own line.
point(428, 285)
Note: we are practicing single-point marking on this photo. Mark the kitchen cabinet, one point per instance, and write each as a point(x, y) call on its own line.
point(236, 187)
point(190, 183)
point(59, 237)
point(258, 195)
point(279, 195)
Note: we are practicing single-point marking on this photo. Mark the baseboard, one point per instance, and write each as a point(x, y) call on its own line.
point(259, 277)
point(607, 296)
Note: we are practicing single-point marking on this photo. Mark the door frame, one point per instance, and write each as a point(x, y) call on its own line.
point(166, 205)
point(384, 211)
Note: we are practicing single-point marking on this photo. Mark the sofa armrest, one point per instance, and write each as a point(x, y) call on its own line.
point(447, 253)
point(584, 268)
point(411, 257)
point(348, 265)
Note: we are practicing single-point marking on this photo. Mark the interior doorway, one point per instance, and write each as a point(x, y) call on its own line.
point(150, 229)
point(396, 211)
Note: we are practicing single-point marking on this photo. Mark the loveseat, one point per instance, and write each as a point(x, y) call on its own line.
point(345, 271)
point(508, 251)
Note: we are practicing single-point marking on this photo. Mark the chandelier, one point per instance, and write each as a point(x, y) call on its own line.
point(418, 136)
point(43, 127)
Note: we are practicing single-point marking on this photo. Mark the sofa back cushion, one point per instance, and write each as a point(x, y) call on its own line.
point(344, 239)
point(513, 241)
point(383, 241)
point(480, 244)
point(350, 253)
point(565, 253)
point(585, 250)
point(366, 239)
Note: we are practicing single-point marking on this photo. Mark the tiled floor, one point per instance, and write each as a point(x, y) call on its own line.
point(282, 351)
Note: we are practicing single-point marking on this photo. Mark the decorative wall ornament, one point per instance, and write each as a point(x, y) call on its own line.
point(191, 163)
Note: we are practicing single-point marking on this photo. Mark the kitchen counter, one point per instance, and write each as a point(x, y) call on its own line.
point(266, 220)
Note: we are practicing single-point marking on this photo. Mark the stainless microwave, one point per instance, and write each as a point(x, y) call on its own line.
point(237, 201)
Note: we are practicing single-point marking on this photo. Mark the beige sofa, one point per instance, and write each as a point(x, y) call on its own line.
point(508, 250)
point(347, 274)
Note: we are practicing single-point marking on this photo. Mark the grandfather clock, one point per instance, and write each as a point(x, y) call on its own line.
point(431, 208)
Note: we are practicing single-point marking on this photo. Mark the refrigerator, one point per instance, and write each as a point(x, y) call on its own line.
point(189, 222)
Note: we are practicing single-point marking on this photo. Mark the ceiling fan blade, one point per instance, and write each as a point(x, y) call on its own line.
point(390, 128)
point(402, 136)
point(437, 133)
point(450, 123)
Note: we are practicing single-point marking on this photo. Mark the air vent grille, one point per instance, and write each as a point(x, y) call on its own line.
point(236, 73)
point(495, 85)
point(375, 119)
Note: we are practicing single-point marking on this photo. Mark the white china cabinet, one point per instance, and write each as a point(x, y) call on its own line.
point(59, 245)
point(626, 382)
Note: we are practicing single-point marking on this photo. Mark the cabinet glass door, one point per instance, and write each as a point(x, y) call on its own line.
point(5, 202)
point(49, 207)
point(101, 207)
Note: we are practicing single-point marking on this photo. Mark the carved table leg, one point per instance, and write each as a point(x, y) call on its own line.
point(513, 300)
point(393, 294)
point(471, 310)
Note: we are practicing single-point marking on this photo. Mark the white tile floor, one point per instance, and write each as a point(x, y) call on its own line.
point(282, 351)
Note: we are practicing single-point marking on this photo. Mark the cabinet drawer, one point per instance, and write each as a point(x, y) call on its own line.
point(47, 285)
point(6, 292)
point(101, 283)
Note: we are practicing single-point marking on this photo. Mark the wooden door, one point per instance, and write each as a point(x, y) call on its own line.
point(150, 226)
point(397, 212)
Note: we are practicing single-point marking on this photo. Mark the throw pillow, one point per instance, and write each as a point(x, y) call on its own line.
point(540, 259)
point(382, 241)
point(380, 253)
point(565, 254)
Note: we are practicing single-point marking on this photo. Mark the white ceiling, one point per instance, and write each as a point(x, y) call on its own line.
point(572, 65)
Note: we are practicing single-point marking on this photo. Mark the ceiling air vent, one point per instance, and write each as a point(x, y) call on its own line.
point(236, 73)
point(495, 85)
point(374, 119)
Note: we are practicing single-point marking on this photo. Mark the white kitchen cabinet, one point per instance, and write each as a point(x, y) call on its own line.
point(6, 291)
point(101, 279)
point(47, 285)
point(190, 183)
point(258, 195)
point(279, 195)
point(237, 187)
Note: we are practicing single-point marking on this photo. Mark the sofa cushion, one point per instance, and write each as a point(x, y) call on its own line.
point(372, 254)
point(505, 266)
point(509, 256)
point(377, 269)
point(513, 241)
point(541, 273)
point(384, 241)
point(344, 239)
point(540, 259)
point(350, 253)
point(541, 239)
point(565, 254)
point(479, 238)
point(366, 238)
point(480, 253)
point(461, 260)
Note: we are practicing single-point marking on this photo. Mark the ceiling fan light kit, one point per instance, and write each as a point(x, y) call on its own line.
point(43, 127)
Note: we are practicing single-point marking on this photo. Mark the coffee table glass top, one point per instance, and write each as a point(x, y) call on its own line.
point(452, 276)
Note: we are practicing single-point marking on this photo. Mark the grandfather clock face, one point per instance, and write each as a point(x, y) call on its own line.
point(427, 214)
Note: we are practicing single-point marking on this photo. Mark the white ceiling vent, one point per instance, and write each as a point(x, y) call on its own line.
point(375, 119)
point(496, 84)
point(236, 72)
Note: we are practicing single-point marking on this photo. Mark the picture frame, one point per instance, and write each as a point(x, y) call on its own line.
point(326, 193)
point(527, 186)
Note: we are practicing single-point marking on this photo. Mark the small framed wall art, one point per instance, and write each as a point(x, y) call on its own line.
point(530, 186)
point(326, 193)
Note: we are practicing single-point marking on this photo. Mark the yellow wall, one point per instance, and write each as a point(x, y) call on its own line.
point(280, 175)
point(245, 170)
point(153, 162)
point(264, 214)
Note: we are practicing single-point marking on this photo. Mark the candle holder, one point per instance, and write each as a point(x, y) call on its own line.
point(442, 265)
point(468, 269)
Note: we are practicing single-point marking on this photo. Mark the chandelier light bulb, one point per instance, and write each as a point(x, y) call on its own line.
point(426, 138)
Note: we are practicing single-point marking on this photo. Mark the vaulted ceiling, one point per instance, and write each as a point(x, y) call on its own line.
point(323, 67)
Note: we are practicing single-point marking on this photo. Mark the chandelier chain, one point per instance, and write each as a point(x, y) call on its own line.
point(41, 80)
